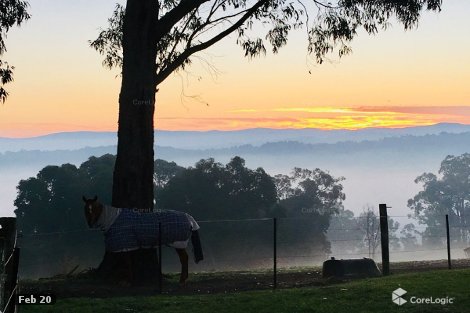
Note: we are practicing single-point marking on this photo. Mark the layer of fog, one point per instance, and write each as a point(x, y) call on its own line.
point(368, 181)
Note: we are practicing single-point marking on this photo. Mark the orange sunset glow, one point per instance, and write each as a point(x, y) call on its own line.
point(323, 118)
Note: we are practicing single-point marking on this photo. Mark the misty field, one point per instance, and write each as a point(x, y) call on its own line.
point(369, 295)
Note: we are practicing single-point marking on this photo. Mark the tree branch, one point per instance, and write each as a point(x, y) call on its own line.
point(177, 41)
point(191, 50)
point(167, 21)
point(208, 25)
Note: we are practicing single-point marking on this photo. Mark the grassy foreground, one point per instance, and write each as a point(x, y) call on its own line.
point(371, 295)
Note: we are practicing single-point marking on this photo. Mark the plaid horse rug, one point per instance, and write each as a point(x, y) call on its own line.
point(133, 230)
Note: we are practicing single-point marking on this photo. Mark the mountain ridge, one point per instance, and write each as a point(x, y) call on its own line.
point(432, 144)
point(222, 139)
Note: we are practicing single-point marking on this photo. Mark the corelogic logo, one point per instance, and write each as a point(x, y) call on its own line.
point(397, 296)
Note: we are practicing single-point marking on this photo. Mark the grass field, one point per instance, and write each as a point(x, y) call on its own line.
point(368, 295)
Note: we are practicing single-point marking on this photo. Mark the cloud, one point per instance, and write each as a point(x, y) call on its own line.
point(314, 110)
point(325, 118)
point(463, 111)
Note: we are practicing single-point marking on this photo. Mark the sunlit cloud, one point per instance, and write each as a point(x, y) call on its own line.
point(351, 118)
point(445, 110)
point(314, 110)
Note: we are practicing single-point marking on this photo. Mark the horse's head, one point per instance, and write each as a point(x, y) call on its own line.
point(93, 209)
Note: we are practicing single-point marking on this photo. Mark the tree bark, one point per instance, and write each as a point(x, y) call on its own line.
point(133, 171)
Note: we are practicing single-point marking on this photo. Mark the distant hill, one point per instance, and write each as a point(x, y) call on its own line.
point(34, 158)
point(377, 171)
point(405, 150)
point(223, 139)
point(395, 149)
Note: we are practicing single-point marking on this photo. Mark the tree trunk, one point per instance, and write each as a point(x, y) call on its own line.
point(133, 171)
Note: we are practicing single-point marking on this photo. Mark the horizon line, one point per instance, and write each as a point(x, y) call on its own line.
point(242, 129)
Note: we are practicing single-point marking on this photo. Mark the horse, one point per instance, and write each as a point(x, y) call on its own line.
point(128, 230)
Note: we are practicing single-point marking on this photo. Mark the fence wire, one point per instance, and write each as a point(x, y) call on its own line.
point(243, 245)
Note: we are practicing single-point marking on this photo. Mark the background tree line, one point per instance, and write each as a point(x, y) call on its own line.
point(208, 190)
point(309, 201)
point(49, 206)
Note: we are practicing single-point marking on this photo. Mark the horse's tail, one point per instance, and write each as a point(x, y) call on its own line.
point(196, 240)
point(197, 248)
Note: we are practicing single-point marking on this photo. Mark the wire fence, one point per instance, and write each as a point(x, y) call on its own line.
point(428, 242)
point(248, 245)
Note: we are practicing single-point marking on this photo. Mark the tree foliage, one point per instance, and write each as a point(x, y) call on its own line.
point(448, 193)
point(164, 171)
point(310, 192)
point(51, 201)
point(11, 12)
point(186, 27)
point(210, 190)
point(309, 198)
point(408, 237)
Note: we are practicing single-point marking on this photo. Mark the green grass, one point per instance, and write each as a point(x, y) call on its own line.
point(369, 295)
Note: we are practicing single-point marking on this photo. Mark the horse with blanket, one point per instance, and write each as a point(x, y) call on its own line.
point(128, 230)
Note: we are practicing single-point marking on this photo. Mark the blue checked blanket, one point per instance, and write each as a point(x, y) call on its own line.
point(132, 230)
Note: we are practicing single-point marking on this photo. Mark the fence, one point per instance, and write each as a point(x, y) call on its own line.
point(10, 255)
point(229, 245)
point(445, 240)
point(283, 250)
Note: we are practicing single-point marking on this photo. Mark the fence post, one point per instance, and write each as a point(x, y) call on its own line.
point(274, 253)
point(384, 239)
point(449, 262)
point(11, 280)
point(160, 273)
point(7, 236)
point(8, 239)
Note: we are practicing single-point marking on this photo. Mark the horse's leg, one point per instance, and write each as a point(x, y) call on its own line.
point(184, 264)
point(127, 270)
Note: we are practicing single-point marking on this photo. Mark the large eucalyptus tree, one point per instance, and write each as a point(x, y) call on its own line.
point(151, 39)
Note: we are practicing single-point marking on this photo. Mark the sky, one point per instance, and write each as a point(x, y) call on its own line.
point(393, 79)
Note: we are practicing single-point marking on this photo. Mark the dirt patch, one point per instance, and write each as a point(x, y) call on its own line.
point(208, 283)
